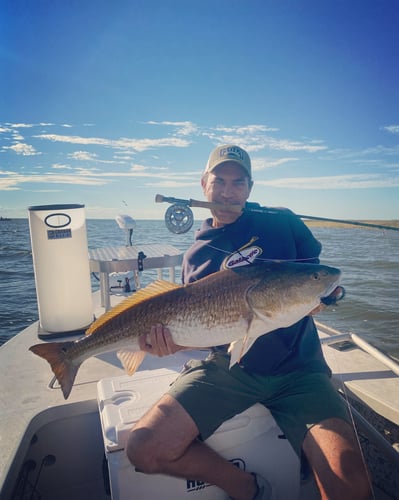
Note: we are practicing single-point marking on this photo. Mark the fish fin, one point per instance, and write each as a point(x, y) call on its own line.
point(131, 360)
point(239, 348)
point(155, 288)
point(63, 368)
point(234, 350)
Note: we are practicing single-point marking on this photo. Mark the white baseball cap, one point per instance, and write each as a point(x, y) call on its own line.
point(228, 153)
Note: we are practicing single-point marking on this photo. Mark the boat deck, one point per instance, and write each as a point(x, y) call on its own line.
point(359, 374)
point(29, 399)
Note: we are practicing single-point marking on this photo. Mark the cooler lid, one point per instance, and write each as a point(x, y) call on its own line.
point(123, 400)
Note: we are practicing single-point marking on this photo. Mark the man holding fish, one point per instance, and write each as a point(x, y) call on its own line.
point(283, 369)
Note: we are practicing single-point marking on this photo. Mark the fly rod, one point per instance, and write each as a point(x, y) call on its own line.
point(179, 218)
point(159, 198)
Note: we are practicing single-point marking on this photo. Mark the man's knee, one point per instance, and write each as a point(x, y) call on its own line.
point(141, 453)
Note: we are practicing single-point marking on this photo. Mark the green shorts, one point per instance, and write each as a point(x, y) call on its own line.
point(212, 393)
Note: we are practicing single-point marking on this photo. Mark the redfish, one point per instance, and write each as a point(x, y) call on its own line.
point(233, 306)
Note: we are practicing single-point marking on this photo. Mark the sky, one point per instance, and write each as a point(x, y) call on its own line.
point(108, 103)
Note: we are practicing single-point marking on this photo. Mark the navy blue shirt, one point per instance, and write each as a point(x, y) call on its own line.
point(256, 237)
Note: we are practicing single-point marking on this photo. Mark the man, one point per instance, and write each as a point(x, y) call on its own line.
point(284, 370)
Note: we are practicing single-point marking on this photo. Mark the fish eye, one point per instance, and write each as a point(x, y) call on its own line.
point(316, 276)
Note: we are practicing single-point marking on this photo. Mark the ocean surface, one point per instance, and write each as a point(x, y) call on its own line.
point(368, 258)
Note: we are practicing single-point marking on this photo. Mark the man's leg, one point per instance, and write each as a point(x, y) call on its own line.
point(165, 441)
point(336, 460)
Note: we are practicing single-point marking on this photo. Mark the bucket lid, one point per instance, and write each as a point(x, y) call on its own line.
point(56, 207)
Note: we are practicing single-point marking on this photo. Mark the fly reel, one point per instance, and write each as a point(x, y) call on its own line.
point(179, 218)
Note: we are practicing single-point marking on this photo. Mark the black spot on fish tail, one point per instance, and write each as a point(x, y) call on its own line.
point(63, 368)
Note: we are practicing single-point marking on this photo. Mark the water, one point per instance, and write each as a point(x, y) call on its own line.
point(369, 260)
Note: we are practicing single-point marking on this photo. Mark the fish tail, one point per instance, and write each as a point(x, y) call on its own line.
point(64, 368)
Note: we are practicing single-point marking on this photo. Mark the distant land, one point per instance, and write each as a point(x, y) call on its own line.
point(323, 223)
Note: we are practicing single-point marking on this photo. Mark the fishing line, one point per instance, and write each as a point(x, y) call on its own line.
point(229, 252)
point(352, 418)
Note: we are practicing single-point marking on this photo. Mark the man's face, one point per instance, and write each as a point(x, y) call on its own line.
point(227, 184)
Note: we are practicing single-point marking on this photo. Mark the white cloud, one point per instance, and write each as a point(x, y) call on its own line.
point(17, 136)
point(264, 163)
point(12, 181)
point(287, 145)
point(381, 150)
point(253, 137)
point(88, 172)
point(23, 149)
point(183, 128)
point(83, 156)
point(138, 168)
point(393, 129)
point(122, 143)
point(238, 131)
point(245, 129)
point(123, 158)
point(256, 138)
point(92, 177)
point(4, 130)
point(59, 166)
point(30, 125)
point(86, 156)
point(21, 125)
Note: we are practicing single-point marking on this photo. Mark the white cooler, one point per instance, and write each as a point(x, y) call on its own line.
point(251, 440)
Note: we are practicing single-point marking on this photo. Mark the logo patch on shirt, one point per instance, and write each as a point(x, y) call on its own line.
point(242, 257)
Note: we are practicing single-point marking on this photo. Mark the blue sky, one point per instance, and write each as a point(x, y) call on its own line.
point(108, 103)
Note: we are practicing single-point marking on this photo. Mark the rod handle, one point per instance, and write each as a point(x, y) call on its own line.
point(159, 198)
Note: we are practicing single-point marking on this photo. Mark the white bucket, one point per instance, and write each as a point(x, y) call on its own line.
point(61, 265)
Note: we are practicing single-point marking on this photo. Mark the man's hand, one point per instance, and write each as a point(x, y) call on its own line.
point(159, 341)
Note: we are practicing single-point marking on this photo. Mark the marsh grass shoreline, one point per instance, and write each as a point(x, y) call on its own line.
point(321, 223)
